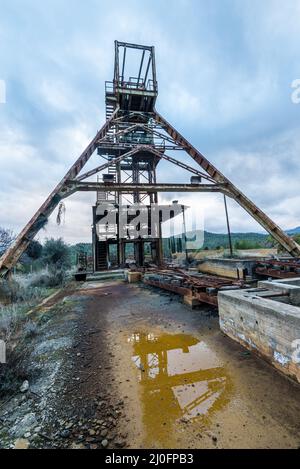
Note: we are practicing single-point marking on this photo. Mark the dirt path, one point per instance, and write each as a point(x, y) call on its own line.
point(118, 365)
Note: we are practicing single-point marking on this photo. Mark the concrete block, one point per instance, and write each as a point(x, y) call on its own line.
point(134, 277)
point(268, 327)
point(191, 301)
point(230, 268)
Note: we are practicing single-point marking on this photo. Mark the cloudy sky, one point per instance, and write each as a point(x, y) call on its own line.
point(225, 69)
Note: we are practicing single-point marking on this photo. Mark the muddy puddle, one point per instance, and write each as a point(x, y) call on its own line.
point(181, 380)
point(186, 385)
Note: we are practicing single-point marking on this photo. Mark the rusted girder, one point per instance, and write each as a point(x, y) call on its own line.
point(73, 186)
point(284, 268)
point(277, 233)
point(203, 289)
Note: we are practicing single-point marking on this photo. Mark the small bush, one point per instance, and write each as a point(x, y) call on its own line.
point(8, 321)
point(52, 279)
point(30, 329)
point(39, 280)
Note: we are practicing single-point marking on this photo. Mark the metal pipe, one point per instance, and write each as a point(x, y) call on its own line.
point(228, 226)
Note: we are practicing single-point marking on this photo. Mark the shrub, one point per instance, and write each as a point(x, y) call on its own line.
point(9, 290)
point(30, 329)
point(245, 244)
point(56, 253)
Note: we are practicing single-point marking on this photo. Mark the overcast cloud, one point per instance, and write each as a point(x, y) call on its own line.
point(225, 70)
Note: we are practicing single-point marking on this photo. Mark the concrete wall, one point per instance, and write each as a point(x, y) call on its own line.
point(227, 267)
point(268, 327)
point(291, 286)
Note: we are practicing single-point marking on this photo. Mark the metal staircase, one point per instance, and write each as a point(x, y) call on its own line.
point(101, 256)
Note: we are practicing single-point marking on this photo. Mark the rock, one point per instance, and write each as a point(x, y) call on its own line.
point(120, 443)
point(25, 386)
point(77, 446)
point(92, 432)
point(104, 443)
point(27, 435)
point(21, 443)
point(104, 433)
point(25, 424)
point(65, 433)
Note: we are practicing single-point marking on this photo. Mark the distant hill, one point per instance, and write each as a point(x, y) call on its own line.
point(293, 231)
point(246, 240)
point(220, 240)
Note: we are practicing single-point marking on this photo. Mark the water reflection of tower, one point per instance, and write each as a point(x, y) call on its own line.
point(180, 378)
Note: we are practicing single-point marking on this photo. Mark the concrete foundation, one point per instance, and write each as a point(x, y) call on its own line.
point(230, 268)
point(266, 320)
point(134, 277)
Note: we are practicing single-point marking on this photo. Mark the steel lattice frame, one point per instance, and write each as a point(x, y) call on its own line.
point(164, 137)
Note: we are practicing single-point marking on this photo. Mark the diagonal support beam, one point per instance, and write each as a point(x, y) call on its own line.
point(12, 255)
point(90, 173)
point(277, 233)
point(179, 163)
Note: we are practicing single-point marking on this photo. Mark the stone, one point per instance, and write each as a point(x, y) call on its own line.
point(77, 446)
point(25, 386)
point(65, 433)
point(104, 443)
point(21, 443)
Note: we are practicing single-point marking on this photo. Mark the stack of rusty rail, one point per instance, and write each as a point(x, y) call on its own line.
point(279, 268)
point(202, 288)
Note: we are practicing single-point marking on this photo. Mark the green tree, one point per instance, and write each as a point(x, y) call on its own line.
point(6, 239)
point(34, 250)
point(245, 244)
point(56, 253)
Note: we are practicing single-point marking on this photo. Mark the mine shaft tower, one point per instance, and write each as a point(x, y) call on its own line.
point(126, 148)
point(133, 140)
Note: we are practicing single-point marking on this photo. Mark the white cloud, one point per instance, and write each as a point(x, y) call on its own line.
point(57, 95)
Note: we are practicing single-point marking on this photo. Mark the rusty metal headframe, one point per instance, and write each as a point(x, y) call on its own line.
point(133, 127)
